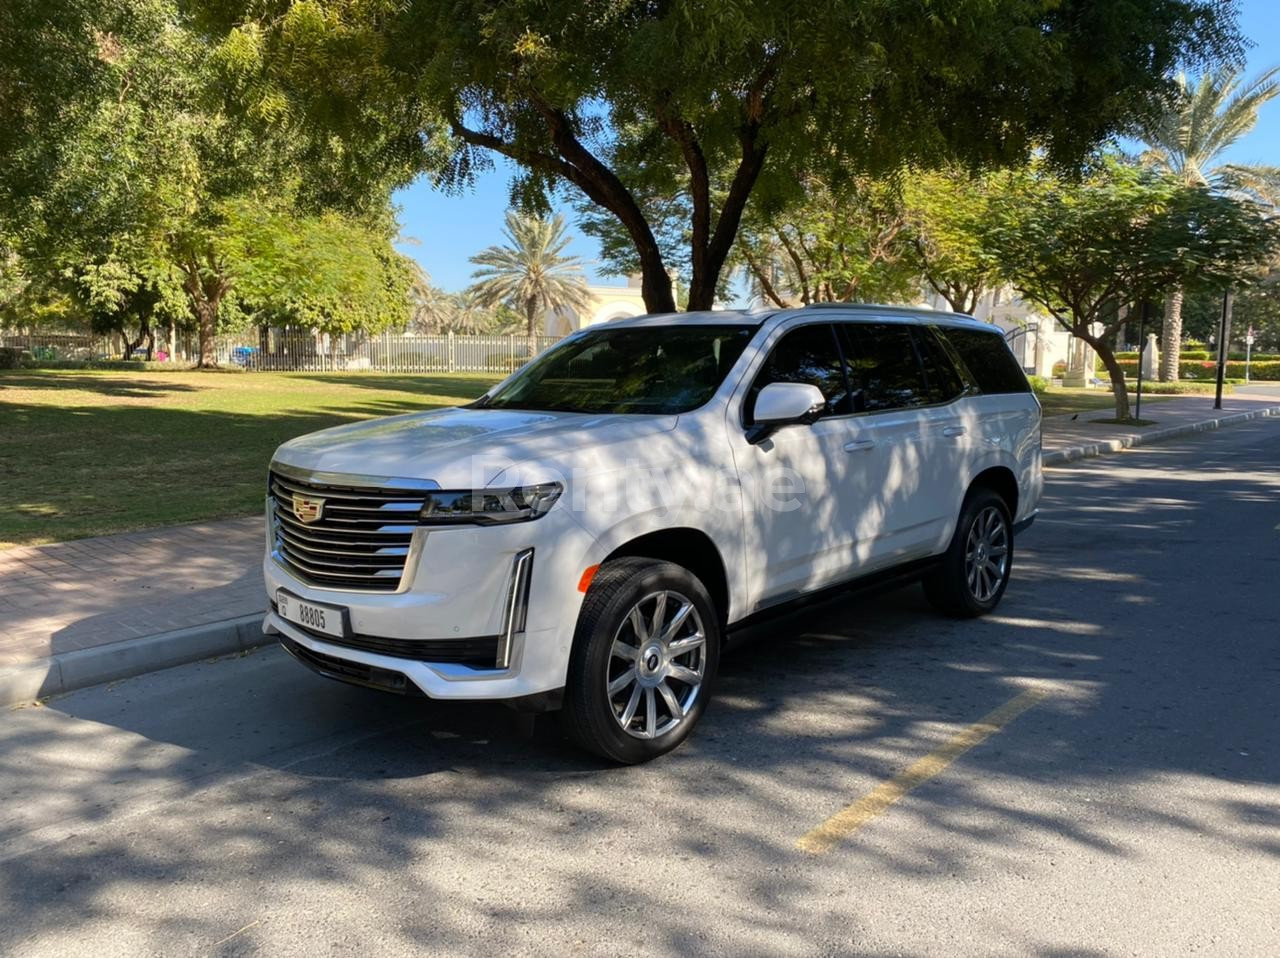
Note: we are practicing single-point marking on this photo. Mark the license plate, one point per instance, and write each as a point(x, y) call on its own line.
point(326, 619)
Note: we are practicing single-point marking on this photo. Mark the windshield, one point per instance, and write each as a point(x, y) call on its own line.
point(658, 370)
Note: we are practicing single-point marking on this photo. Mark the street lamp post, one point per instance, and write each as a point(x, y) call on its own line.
point(1142, 352)
point(1224, 334)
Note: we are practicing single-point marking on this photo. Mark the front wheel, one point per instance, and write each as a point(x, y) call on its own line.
point(974, 571)
point(644, 656)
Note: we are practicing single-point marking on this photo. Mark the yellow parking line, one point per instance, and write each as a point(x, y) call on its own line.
point(852, 817)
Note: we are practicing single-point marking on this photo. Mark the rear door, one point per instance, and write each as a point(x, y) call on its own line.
point(900, 394)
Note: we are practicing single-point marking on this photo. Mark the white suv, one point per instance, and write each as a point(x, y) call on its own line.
point(588, 535)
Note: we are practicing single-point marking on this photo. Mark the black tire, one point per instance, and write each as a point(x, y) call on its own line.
point(592, 716)
point(950, 586)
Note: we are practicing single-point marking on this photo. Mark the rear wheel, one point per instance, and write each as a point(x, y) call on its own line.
point(644, 656)
point(974, 571)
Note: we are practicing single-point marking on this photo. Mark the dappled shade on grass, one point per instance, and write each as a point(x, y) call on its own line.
point(91, 452)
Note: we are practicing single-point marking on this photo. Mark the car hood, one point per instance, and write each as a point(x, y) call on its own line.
point(464, 447)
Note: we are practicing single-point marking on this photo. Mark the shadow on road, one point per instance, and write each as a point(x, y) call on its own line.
point(514, 836)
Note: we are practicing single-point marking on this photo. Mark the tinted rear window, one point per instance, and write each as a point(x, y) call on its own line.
point(988, 359)
point(884, 368)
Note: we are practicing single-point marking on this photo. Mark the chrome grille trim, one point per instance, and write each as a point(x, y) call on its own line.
point(352, 547)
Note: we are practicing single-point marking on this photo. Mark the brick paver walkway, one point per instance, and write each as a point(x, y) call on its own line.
point(74, 595)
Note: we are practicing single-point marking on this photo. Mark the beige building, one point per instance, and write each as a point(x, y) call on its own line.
point(607, 303)
point(1034, 336)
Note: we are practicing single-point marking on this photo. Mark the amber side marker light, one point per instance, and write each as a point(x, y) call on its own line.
point(587, 575)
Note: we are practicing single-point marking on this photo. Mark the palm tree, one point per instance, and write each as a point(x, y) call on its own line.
point(531, 273)
point(1201, 120)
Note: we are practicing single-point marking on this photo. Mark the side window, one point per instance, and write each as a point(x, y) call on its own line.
point(988, 359)
point(884, 370)
point(942, 380)
point(805, 355)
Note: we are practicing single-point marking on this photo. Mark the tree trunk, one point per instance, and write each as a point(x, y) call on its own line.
point(1118, 388)
point(207, 316)
point(1171, 341)
point(131, 344)
point(531, 327)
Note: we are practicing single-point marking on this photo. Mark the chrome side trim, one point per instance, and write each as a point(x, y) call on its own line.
point(516, 609)
point(345, 479)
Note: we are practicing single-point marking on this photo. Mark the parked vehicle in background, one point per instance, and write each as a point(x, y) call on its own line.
point(590, 533)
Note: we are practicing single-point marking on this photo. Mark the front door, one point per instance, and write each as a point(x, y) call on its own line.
point(803, 486)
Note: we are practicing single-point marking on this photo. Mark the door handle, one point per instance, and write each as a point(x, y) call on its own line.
point(857, 445)
point(953, 431)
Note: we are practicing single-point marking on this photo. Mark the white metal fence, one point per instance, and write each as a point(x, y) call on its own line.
point(303, 351)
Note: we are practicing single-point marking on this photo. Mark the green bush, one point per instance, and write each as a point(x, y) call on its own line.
point(1185, 356)
point(1180, 388)
point(130, 365)
point(1039, 385)
point(1207, 370)
point(10, 357)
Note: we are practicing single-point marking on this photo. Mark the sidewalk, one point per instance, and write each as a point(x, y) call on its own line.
point(79, 613)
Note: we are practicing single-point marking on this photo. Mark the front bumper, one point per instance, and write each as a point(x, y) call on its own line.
point(459, 595)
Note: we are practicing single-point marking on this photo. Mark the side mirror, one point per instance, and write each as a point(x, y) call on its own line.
point(780, 404)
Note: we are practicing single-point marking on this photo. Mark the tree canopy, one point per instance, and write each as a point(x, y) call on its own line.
point(1082, 249)
point(1199, 119)
point(129, 177)
point(531, 272)
point(726, 102)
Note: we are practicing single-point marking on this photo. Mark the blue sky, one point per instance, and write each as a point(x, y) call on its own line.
point(443, 231)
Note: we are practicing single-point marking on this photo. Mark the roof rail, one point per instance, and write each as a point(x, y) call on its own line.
point(901, 310)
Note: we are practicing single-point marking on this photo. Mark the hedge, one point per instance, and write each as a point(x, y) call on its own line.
point(1180, 388)
point(10, 357)
point(1201, 355)
point(129, 365)
point(1268, 371)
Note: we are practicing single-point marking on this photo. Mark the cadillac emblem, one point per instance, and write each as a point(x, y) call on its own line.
point(307, 509)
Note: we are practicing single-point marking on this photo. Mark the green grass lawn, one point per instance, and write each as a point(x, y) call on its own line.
point(1059, 400)
point(84, 453)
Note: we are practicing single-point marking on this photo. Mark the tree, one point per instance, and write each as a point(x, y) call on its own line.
point(329, 271)
point(436, 311)
point(1081, 249)
point(1199, 120)
point(843, 243)
point(947, 211)
point(726, 102)
point(132, 162)
point(531, 273)
point(118, 298)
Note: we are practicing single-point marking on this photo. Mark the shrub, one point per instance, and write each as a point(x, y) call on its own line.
point(1039, 385)
point(1180, 388)
point(10, 357)
point(132, 365)
point(1207, 370)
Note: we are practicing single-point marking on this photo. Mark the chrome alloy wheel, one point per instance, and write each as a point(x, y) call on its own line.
point(986, 554)
point(656, 664)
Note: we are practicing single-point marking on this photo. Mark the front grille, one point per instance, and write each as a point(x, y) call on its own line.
point(360, 541)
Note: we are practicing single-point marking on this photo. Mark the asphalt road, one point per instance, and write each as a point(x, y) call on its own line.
point(245, 806)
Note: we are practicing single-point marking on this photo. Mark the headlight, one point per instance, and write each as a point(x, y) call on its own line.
point(489, 506)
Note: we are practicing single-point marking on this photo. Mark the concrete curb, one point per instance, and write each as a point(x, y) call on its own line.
point(68, 671)
point(1103, 447)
